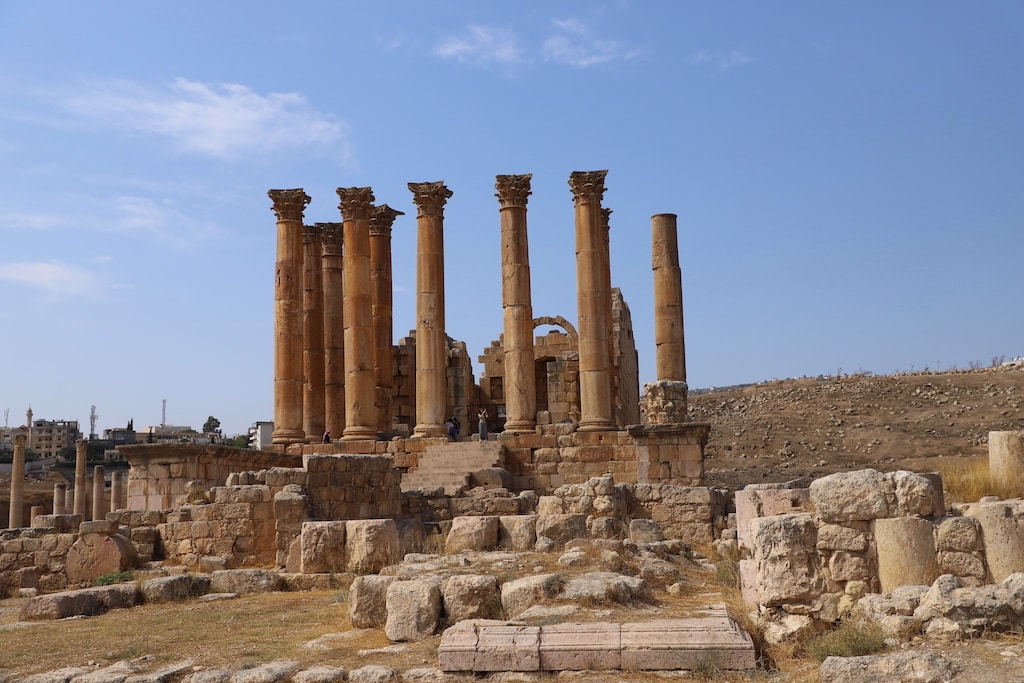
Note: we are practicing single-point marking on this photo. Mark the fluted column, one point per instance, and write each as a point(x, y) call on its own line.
point(381, 221)
point(99, 501)
point(591, 298)
point(360, 419)
point(16, 514)
point(313, 407)
point(289, 206)
point(431, 343)
point(81, 497)
point(669, 340)
point(517, 305)
point(334, 328)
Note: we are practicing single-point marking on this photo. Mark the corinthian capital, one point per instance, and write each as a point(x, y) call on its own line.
point(331, 238)
point(606, 215)
point(288, 204)
point(311, 234)
point(430, 197)
point(513, 189)
point(356, 202)
point(382, 218)
point(587, 186)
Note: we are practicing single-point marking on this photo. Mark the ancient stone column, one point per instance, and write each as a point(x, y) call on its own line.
point(606, 306)
point(360, 419)
point(81, 497)
point(670, 349)
point(517, 304)
point(381, 221)
point(69, 500)
point(60, 497)
point(99, 502)
point(116, 491)
point(289, 206)
point(34, 512)
point(16, 515)
point(431, 343)
point(313, 370)
point(1006, 457)
point(334, 327)
point(591, 298)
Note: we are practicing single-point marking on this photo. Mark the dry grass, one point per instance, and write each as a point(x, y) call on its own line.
point(849, 639)
point(967, 481)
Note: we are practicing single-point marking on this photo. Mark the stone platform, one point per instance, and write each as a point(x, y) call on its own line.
point(658, 644)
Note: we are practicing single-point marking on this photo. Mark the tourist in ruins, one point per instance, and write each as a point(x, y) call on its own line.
point(449, 427)
point(482, 428)
point(327, 436)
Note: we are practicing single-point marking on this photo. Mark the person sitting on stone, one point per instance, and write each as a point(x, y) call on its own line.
point(449, 427)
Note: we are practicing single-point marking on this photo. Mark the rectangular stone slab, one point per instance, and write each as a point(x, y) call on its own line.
point(685, 644)
point(507, 648)
point(580, 647)
point(457, 651)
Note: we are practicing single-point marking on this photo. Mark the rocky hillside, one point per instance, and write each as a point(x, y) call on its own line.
point(806, 428)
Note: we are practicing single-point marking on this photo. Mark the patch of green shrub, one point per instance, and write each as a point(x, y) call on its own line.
point(849, 639)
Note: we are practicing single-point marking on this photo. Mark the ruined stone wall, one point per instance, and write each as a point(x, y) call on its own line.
point(626, 363)
point(460, 383)
point(35, 557)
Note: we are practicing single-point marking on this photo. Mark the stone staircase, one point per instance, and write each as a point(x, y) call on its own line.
point(450, 465)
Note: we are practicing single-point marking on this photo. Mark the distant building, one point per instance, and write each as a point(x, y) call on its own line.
point(170, 434)
point(7, 435)
point(49, 437)
point(259, 435)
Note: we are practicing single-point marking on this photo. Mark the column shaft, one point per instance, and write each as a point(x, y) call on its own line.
point(289, 206)
point(313, 371)
point(60, 497)
point(431, 342)
point(17, 513)
point(334, 328)
point(81, 497)
point(592, 302)
point(116, 491)
point(669, 340)
point(520, 378)
point(356, 204)
point(381, 284)
point(99, 499)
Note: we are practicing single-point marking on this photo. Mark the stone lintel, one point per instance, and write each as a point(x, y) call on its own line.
point(692, 432)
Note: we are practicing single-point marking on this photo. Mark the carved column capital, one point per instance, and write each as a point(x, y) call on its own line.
point(513, 190)
point(606, 215)
point(587, 186)
point(20, 439)
point(332, 238)
point(288, 204)
point(311, 234)
point(382, 218)
point(356, 202)
point(430, 198)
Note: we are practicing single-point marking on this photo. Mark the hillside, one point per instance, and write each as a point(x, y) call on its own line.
point(807, 428)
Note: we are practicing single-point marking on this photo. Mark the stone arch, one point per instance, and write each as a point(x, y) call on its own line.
point(559, 321)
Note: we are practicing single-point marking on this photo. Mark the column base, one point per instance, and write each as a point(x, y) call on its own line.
point(288, 436)
point(596, 425)
point(429, 431)
point(521, 426)
point(359, 433)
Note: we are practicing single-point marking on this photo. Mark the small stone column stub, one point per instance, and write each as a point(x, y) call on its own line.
point(60, 497)
point(381, 221)
point(669, 341)
point(1006, 457)
point(17, 513)
point(81, 497)
point(360, 419)
point(313, 370)
point(516, 298)
point(288, 381)
point(334, 327)
point(595, 385)
point(99, 499)
point(431, 342)
point(116, 491)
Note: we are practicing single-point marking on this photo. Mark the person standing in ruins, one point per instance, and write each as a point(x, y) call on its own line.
point(482, 427)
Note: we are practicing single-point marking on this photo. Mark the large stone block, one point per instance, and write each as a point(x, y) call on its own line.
point(765, 500)
point(518, 532)
point(322, 547)
point(520, 594)
point(94, 555)
point(562, 528)
point(414, 609)
point(580, 647)
point(906, 552)
point(472, 533)
point(371, 545)
point(852, 496)
point(1002, 532)
point(471, 596)
point(673, 644)
point(367, 600)
point(786, 558)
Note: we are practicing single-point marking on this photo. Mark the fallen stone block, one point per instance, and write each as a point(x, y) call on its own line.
point(471, 596)
point(686, 644)
point(580, 647)
point(367, 600)
point(83, 602)
point(413, 608)
point(174, 588)
point(245, 581)
point(472, 533)
point(902, 666)
point(322, 547)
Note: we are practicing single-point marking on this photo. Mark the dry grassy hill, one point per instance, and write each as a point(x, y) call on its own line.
point(807, 428)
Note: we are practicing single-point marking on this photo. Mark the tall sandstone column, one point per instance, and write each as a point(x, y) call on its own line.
point(381, 221)
point(334, 327)
point(431, 343)
point(606, 307)
point(289, 206)
point(360, 418)
point(670, 345)
point(591, 298)
point(520, 380)
point(81, 497)
point(17, 513)
point(99, 499)
point(313, 400)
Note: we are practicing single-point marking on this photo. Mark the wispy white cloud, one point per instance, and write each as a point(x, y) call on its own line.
point(223, 120)
point(574, 43)
point(482, 45)
point(161, 221)
point(30, 221)
point(723, 61)
point(56, 280)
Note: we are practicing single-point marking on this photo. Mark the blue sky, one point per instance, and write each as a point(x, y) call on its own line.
point(849, 179)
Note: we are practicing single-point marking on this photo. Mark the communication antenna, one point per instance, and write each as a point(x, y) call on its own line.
point(163, 415)
point(7, 413)
point(92, 422)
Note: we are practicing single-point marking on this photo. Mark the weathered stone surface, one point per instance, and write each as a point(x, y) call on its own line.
point(914, 494)
point(602, 588)
point(962, 534)
point(519, 594)
point(906, 552)
point(94, 555)
point(165, 674)
point(175, 588)
point(371, 545)
point(245, 581)
point(785, 558)
point(372, 673)
point(471, 596)
point(57, 676)
point(507, 648)
point(271, 672)
point(920, 667)
point(322, 547)
point(85, 602)
point(851, 496)
point(562, 528)
point(765, 500)
point(580, 647)
point(518, 532)
point(367, 600)
point(686, 643)
point(320, 674)
point(787, 627)
point(838, 537)
point(472, 533)
point(645, 531)
point(414, 609)
point(1002, 525)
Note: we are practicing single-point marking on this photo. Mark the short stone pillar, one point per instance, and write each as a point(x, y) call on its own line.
point(1002, 532)
point(34, 512)
point(360, 417)
point(81, 497)
point(99, 499)
point(60, 497)
point(664, 402)
point(289, 206)
point(69, 501)
point(332, 242)
point(313, 407)
point(16, 515)
point(431, 341)
point(116, 491)
point(1006, 457)
point(906, 552)
point(381, 221)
